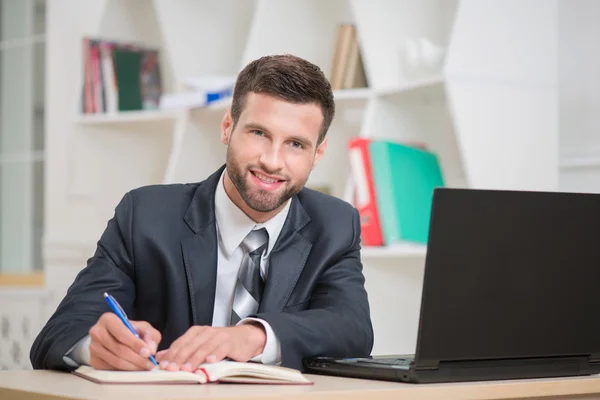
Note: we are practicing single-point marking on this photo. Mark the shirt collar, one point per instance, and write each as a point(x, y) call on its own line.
point(234, 225)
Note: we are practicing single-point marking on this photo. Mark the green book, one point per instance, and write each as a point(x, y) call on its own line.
point(404, 178)
point(127, 64)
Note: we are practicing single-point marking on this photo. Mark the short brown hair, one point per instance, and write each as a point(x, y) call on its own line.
point(288, 77)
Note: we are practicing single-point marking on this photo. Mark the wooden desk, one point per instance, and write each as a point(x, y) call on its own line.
point(43, 385)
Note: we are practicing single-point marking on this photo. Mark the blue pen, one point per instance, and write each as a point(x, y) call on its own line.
point(116, 307)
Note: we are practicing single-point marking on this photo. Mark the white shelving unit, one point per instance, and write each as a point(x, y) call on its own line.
point(246, 30)
point(412, 86)
point(126, 117)
point(490, 127)
point(394, 251)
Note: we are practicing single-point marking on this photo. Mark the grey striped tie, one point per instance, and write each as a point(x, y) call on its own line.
point(249, 286)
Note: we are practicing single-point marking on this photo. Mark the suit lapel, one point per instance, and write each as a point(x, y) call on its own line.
point(287, 260)
point(200, 251)
point(200, 260)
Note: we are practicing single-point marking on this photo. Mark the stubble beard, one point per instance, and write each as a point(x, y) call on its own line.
point(258, 200)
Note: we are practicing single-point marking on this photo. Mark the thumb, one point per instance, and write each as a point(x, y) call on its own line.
point(152, 343)
point(148, 334)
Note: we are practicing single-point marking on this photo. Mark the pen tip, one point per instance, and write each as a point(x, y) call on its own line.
point(105, 294)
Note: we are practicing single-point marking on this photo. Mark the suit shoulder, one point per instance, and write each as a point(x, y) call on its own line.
point(322, 204)
point(165, 190)
point(334, 222)
point(163, 196)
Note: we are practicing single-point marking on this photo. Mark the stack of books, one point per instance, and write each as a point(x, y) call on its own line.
point(119, 77)
point(347, 70)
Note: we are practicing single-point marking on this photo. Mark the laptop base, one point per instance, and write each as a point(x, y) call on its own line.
point(344, 367)
point(458, 371)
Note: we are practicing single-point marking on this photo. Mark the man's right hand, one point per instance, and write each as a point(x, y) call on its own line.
point(114, 347)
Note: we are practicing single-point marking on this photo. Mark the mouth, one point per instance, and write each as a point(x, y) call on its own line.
point(265, 181)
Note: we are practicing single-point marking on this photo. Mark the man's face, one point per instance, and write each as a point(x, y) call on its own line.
point(272, 150)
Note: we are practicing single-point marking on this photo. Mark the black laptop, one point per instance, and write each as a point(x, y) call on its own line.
point(511, 290)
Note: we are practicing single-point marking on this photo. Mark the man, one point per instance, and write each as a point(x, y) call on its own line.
point(247, 265)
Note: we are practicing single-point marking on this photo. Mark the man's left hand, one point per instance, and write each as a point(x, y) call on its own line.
point(202, 344)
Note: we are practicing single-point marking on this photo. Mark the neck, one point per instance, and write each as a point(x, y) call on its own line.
point(236, 198)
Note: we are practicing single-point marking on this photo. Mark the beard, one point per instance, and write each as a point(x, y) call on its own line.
point(258, 199)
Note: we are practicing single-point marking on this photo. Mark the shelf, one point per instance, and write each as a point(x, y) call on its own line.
point(579, 162)
point(411, 86)
point(127, 117)
point(22, 280)
point(353, 94)
point(219, 104)
point(217, 107)
point(394, 251)
point(339, 95)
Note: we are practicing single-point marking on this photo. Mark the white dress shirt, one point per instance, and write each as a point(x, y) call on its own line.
point(233, 225)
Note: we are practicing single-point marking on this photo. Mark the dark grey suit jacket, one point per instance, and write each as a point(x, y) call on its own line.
point(158, 258)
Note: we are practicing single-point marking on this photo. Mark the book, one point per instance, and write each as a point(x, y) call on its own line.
point(201, 91)
point(404, 177)
point(364, 194)
point(127, 71)
point(224, 371)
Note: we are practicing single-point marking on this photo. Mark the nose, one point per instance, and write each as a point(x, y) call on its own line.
point(271, 159)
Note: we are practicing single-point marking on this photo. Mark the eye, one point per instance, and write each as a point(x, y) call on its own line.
point(297, 145)
point(258, 132)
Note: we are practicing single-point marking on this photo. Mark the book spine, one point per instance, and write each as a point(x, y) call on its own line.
point(379, 153)
point(365, 201)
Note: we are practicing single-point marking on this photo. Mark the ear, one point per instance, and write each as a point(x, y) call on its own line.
point(226, 127)
point(320, 152)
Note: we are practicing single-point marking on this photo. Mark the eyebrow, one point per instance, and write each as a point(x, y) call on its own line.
point(259, 127)
point(255, 126)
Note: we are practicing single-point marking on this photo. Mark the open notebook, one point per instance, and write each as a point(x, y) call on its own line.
point(224, 371)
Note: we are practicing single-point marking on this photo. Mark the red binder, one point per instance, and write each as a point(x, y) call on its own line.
point(364, 191)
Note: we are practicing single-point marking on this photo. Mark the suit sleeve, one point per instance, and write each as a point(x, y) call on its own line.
point(109, 270)
point(337, 322)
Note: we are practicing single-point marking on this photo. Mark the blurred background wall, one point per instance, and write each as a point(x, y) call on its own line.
point(502, 91)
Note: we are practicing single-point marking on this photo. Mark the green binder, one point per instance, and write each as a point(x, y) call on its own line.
point(404, 178)
point(128, 64)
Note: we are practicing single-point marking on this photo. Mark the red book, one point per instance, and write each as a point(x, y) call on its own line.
point(364, 191)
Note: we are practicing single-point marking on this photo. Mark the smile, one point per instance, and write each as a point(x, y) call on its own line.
point(264, 178)
point(265, 182)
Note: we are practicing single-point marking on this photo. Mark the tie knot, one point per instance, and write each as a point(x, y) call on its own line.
point(256, 241)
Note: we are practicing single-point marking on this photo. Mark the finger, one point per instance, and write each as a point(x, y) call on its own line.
point(186, 358)
point(148, 333)
point(106, 357)
point(169, 353)
point(210, 348)
point(102, 336)
point(97, 362)
point(160, 355)
point(219, 353)
point(186, 346)
point(123, 335)
point(179, 353)
point(152, 344)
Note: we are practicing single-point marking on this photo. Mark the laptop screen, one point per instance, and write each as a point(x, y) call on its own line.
point(511, 274)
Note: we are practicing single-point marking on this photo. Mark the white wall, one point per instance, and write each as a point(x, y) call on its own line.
point(503, 84)
point(579, 95)
point(83, 161)
point(85, 164)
